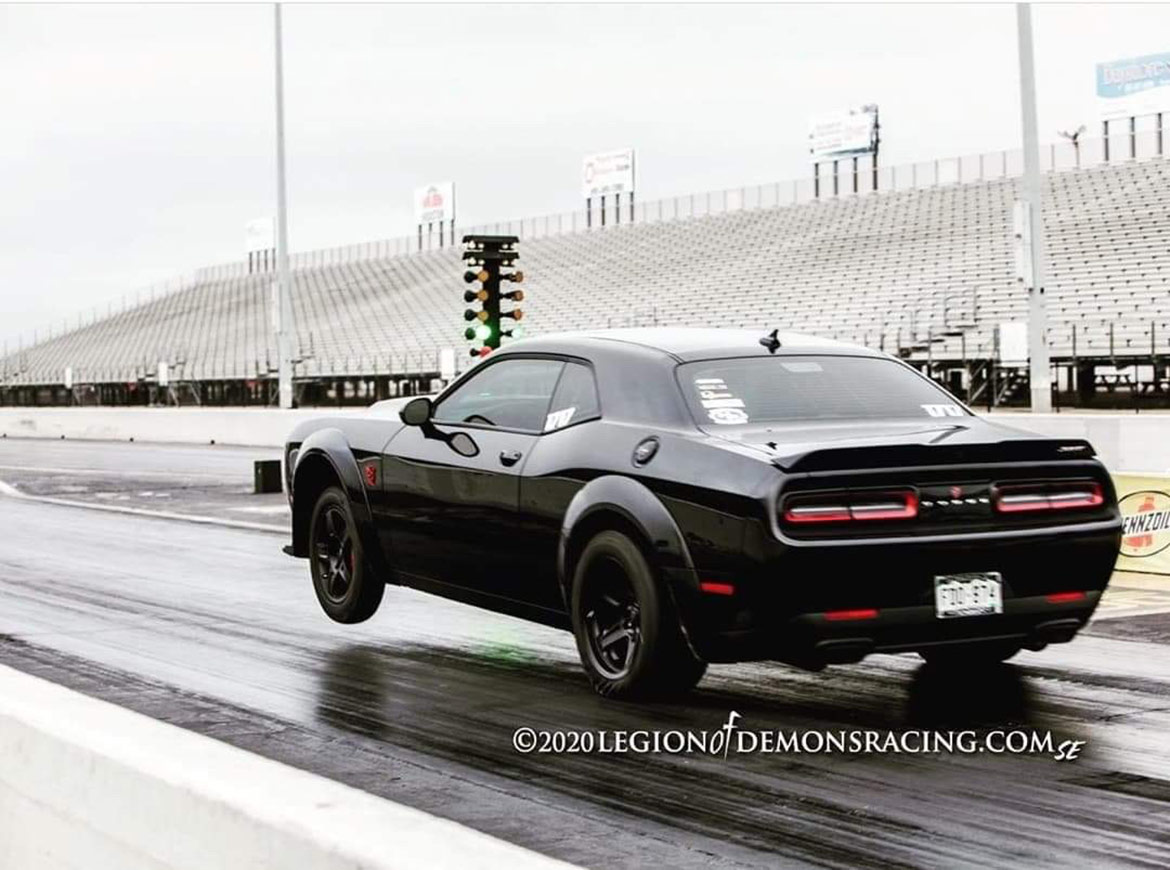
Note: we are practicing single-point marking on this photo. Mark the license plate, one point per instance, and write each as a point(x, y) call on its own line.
point(968, 595)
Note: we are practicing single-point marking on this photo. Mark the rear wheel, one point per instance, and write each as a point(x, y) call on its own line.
point(971, 654)
point(628, 633)
point(346, 587)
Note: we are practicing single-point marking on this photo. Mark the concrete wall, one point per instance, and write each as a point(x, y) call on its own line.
point(87, 784)
point(253, 427)
point(1126, 442)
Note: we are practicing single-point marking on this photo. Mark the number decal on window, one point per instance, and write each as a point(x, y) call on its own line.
point(557, 419)
point(947, 410)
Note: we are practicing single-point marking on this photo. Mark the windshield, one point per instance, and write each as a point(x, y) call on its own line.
point(783, 389)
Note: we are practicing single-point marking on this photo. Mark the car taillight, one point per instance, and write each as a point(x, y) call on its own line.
point(1047, 495)
point(899, 504)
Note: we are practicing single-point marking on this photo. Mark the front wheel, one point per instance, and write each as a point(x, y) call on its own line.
point(970, 654)
point(346, 587)
point(628, 633)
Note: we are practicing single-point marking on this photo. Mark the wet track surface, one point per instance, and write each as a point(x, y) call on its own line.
point(215, 630)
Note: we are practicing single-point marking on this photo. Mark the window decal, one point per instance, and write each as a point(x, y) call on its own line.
point(946, 410)
point(557, 419)
point(722, 406)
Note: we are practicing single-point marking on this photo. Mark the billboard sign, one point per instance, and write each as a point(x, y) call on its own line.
point(1134, 86)
point(607, 172)
point(434, 203)
point(1145, 513)
point(843, 134)
point(260, 235)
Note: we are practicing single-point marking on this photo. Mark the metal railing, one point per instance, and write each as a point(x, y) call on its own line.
point(1144, 143)
point(1123, 146)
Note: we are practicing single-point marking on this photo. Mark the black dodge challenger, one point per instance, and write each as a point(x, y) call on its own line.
point(682, 496)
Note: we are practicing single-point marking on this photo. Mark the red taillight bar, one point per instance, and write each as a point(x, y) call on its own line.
point(844, 615)
point(1065, 597)
point(904, 506)
point(814, 513)
point(713, 588)
point(844, 507)
point(1048, 496)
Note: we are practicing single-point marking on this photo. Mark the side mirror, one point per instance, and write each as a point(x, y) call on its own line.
point(416, 412)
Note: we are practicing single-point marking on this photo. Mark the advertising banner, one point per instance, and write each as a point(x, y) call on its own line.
point(1134, 86)
point(1145, 509)
point(607, 172)
point(843, 133)
point(434, 203)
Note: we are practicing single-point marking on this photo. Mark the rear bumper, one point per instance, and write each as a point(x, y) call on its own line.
point(813, 640)
point(1032, 622)
point(778, 607)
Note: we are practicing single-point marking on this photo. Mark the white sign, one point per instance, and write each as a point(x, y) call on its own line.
point(164, 375)
point(1134, 86)
point(608, 172)
point(69, 377)
point(260, 235)
point(434, 203)
point(843, 133)
point(1013, 344)
point(447, 363)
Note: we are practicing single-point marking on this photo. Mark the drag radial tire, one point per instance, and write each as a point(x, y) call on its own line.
point(346, 587)
point(627, 630)
point(970, 654)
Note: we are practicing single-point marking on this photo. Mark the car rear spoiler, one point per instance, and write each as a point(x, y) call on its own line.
point(907, 455)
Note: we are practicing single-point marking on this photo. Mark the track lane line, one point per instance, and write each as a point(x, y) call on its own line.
point(7, 489)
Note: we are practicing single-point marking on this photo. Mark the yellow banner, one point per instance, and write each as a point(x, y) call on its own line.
point(1145, 507)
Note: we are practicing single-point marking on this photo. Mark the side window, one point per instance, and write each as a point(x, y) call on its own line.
point(511, 394)
point(575, 399)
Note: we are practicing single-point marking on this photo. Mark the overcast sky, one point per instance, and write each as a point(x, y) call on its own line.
point(137, 141)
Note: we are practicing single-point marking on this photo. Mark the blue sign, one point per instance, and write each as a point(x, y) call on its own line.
point(1124, 78)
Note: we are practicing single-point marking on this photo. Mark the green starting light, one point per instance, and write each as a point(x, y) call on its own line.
point(482, 332)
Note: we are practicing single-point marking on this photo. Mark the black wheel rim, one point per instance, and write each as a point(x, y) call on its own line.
point(613, 619)
point(333, 552)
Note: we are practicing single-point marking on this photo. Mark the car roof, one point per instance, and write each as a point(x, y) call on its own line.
point(687, 343)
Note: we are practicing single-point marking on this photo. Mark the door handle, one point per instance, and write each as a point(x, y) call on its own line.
point(510, 457)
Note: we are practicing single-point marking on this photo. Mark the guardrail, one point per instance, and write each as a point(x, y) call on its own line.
point(87, 784)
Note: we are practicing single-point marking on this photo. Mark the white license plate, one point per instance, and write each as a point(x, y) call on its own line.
point(968, 595)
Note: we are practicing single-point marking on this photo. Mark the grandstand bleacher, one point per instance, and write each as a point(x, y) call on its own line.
point(926, 272)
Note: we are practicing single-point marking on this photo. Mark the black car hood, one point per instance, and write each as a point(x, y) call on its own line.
point(812, 446)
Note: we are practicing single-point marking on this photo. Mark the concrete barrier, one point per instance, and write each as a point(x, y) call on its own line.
point(1138, 443)
point(87, 784)
point(1125, 442)
point(250, 427)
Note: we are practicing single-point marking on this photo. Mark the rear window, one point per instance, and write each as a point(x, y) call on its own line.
point(781, 389)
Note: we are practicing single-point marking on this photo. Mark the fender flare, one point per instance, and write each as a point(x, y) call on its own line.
point(638, 506)
point(332, 446)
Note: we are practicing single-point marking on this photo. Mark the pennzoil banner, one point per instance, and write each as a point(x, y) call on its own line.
point(1145, 510)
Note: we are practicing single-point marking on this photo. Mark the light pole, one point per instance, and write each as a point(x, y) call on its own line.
point(1075, 138)
point(1039, 372)
point(284, 321)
